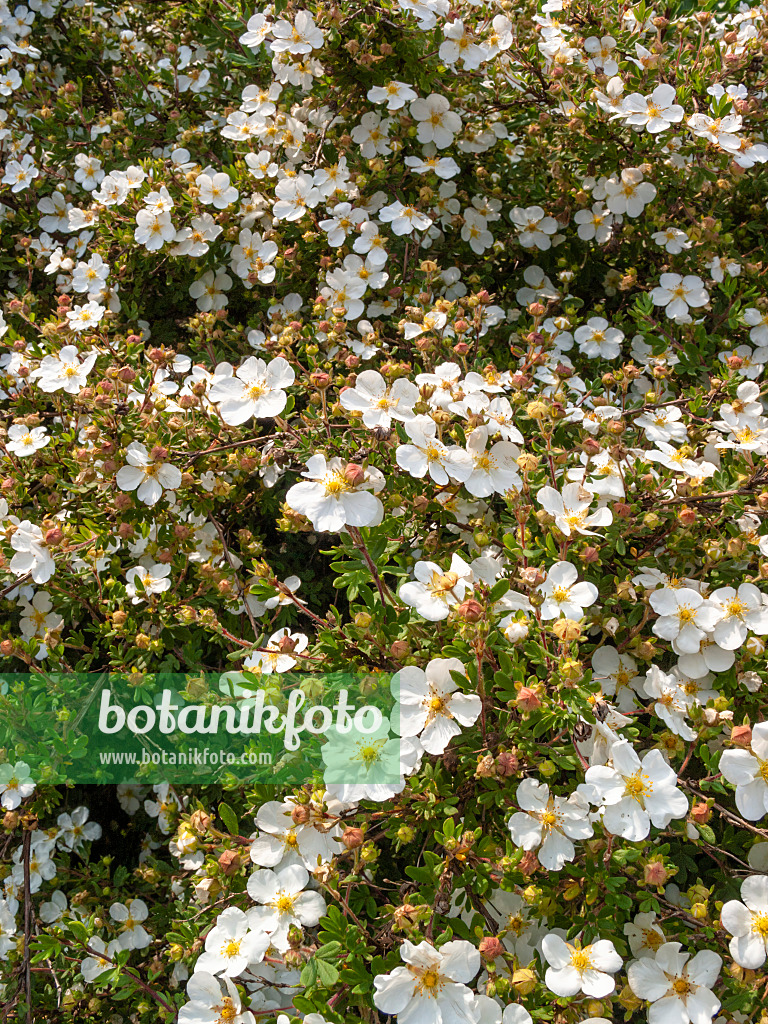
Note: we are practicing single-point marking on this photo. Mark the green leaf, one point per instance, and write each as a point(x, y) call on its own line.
point(229, 818)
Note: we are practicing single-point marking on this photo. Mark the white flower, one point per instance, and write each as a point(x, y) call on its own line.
point(563, 595)
point(209, 291)
point(404, 219)
point(684, 617)
point(644, 935)
point(282, 841)
point(75, 829)
point(149, 478)
point(23, 441)
point(133, 935)
point(575, 969)
point(748, 923)
point(153, 230)
point(256, 31)
point(216, 190)
point(303, 36)
point(628, 194)
point(633, 795)
point(96, 964)
point(432, 987)
point(32, 556)
point(671, 703)
point(677, 989)
point(747, 770)
point(16, 784)
point(534, 226)
point(663, 424)
point(394, 94)
point(758, 321)
point(209, 1003)
point(337, 494)
point(601, 54)
point(283, 901)
point(20, 174)
point(672, 239)
point(431, 706)
point(231, 945)
point(164, 808)
point(549, 823)
point(741, 611)
point(569, 509)
point(277, 656)
point(378, 402)
point(64, 371)
point(256, 390)
point(495, 470)
point(595, 223)
point(85, 317)
point(427, 454)
point(368, 765)
point(153, 578)
point(655, 112)
point(678, 293)
point(617, 675)
point(433, 592)
point(437, 122)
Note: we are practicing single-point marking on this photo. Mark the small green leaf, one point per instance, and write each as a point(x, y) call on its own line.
point(229, 818)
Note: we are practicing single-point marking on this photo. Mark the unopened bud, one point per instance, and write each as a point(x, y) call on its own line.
point(354, 474)
point(742, 735)
point(353, 838)
point(490, 947)
point(470, 610)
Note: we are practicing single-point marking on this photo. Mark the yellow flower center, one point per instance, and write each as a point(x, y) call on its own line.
point(228, 1011)
point(635, 787)
point(284, 903)
point(430, 979)
point(232, 948)
point(336, 484)
point(581, 960)
point(681, 986)
point(760, 925)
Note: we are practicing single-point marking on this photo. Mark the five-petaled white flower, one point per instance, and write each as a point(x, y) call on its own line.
point(146, 475)
point(570, 509)
point(748, 923)
point(678, 989)
point(432, 987)
point(563, 595)
point(256, 390)
point(575, 969)
point(431, 706)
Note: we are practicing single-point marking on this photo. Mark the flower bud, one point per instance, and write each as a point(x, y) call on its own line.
point(54, 536)
point(354, 474)
point(566, 629)
point(352, 838)
point(655, 873)
point(399, 649)
point(490, 947)
point(524, 981)
point(300, 814)
point(527, 699)
point(470, 610)
point(229, 862)
point(319, 380)
point(742, 735)
point(507, 764)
